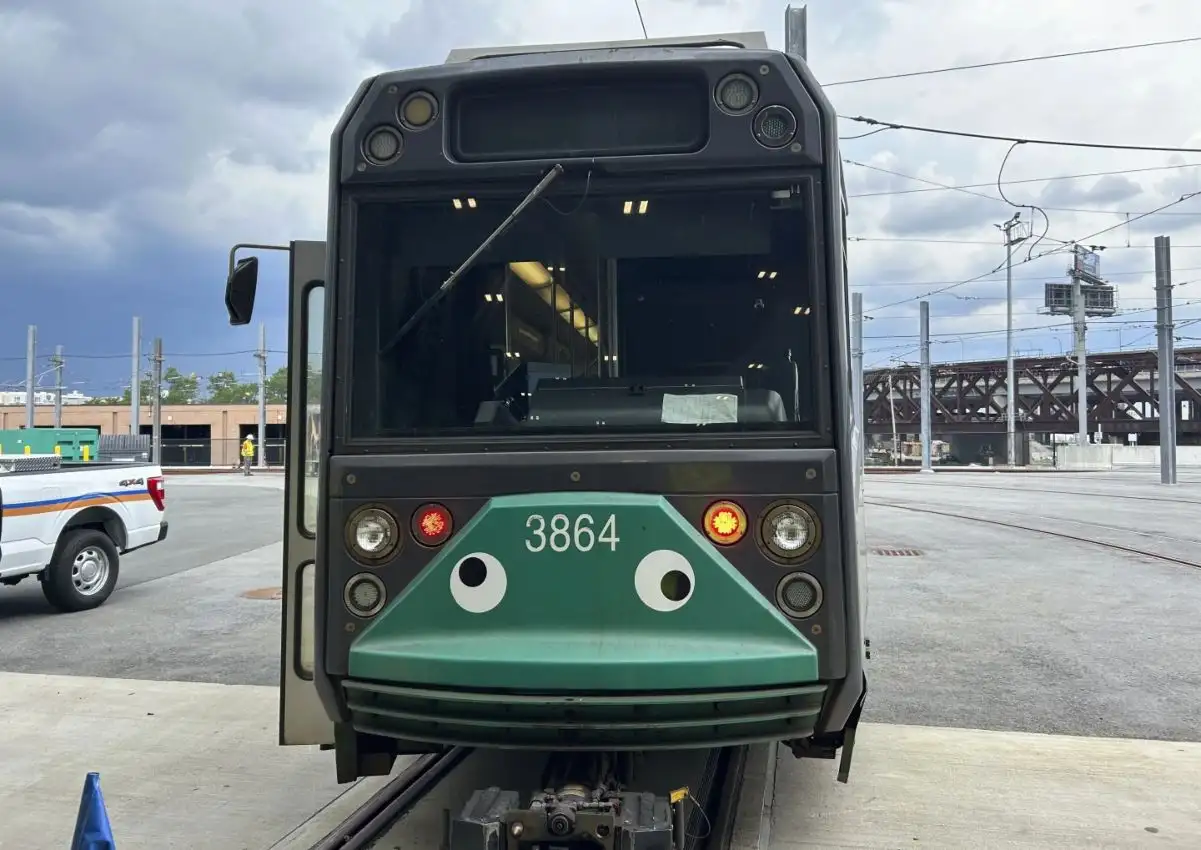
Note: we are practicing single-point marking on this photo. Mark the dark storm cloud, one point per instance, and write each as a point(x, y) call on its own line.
point(119, 96)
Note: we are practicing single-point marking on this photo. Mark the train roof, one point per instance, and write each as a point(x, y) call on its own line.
point(744, 40)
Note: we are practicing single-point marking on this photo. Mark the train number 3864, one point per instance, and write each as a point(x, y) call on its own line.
point(561, 533)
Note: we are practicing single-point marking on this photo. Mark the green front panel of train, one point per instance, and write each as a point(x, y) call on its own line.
point(524, 598)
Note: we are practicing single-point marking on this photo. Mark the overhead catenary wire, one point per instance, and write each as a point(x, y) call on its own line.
point(937, 186)
point(968, 134)
point(941, 187)
point(1057, 250)
point(997, 63)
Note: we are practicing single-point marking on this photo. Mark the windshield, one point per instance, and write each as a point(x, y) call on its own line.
point(666, 312)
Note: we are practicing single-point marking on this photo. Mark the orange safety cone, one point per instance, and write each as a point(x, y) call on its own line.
point(92, 829)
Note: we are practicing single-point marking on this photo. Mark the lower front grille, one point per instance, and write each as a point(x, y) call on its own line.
point(575, 721)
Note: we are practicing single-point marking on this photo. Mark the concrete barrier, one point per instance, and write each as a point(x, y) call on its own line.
point(1114, 456)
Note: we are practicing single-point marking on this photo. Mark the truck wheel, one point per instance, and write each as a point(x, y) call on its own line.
point(84, 571)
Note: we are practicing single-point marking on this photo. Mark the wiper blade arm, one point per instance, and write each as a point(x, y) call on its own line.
point(447, 284)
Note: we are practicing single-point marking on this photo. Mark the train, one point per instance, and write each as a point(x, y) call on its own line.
point(574, 459)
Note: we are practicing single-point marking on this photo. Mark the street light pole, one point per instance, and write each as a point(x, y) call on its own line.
point(1011, 390)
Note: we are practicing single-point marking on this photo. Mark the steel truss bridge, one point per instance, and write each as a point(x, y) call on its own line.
point(969, 397)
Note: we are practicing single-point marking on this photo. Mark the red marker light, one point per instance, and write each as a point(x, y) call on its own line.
point(725, 523)
point(432, 525)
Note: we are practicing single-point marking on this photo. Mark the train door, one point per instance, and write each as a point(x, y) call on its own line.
point(302, 717)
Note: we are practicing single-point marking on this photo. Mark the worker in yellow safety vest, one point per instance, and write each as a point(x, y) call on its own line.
point(247, 453)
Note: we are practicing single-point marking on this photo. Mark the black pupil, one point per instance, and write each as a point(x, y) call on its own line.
point(675, 585)
point(473, 571)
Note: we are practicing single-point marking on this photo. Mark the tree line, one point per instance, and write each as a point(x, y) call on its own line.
point(218, 388)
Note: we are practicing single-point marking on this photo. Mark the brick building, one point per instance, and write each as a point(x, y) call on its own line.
point(193, 434)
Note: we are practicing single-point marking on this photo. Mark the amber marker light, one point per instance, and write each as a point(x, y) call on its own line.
point(725, 523)
point(432, 525)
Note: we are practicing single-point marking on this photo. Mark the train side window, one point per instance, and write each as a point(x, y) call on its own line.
point(311, 363)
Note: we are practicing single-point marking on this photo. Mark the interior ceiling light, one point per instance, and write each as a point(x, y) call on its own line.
point(801, 311)
point(628, 207)
point(538, 278)
point(767, 275)
point(459, 203)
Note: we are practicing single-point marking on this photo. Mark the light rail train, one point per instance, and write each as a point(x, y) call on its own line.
point(574, 460)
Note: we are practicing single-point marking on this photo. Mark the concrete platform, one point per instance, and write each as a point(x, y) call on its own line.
point(195, 767)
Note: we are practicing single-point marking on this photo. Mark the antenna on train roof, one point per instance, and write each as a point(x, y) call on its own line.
point(796, 31)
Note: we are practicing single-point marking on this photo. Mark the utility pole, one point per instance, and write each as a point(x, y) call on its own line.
point(135, 380)
point(1011, 385)
point(924, 307)
point(1080, 329)
point(31, 356)
point(262, 358)
point(1087, 295)
point(58, 386)
point(1167, 360)
point(156, 407)
point(857, 371)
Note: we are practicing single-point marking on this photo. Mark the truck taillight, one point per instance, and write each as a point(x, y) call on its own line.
point(158, 492)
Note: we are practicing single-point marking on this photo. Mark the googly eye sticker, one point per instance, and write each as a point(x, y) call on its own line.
point(478, 583)
point(664, 580)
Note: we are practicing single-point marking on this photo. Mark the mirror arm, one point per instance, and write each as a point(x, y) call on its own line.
point(234, 250)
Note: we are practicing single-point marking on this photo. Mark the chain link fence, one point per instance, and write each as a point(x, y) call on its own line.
point(220, 453)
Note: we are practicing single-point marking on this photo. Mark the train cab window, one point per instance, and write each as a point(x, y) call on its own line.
point(676, 312)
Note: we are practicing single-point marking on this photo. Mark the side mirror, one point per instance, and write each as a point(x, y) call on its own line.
point(240, 288)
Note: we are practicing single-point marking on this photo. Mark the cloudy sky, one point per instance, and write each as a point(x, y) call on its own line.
point(142, 138)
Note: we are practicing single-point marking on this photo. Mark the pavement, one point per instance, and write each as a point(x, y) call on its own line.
point(178, 613)
point(981, 636)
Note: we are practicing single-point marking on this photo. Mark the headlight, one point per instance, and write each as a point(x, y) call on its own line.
point(774, 126)
point(799, 595)
point(736, 94)
point(372, 534)
point(790, 531)
point(364, 595)
point(383, 146)
point(418, 110)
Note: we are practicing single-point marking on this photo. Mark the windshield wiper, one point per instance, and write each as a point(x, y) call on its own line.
point(447, 284)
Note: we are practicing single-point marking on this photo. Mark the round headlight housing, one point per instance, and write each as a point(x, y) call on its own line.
point(736, 94)
point(372, 535)
point(774, 126)
point(799, 595)
point(418, 111)
point(364, 595)
point(789, 531)
point(383, 146)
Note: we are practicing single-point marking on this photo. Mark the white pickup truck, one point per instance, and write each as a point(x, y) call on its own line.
point(68, 524)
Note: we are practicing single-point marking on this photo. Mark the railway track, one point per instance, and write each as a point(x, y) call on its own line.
point(1171, 559)
point(1106, 495)
point(708, 820)
point(371, 821)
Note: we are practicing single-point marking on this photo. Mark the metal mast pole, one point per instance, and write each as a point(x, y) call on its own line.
point(925, 388)
point(1166, 330)
point(262, 358)
point(31, 355)
point(1079, 326)
point(857, 391)
point(156, 406)
point(1011, 387)
point(58, 386)
point(135, 380)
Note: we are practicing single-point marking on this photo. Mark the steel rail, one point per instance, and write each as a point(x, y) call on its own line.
point(368, 823)
point(1061, 535)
